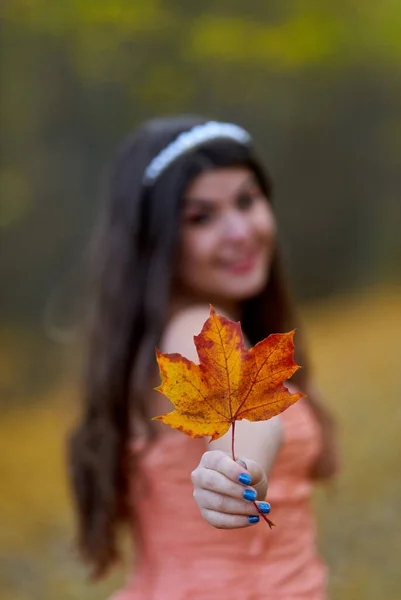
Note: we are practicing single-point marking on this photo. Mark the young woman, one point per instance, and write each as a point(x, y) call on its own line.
point(188, 222)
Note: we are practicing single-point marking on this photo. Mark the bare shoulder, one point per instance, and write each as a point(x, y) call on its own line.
point(178, 335)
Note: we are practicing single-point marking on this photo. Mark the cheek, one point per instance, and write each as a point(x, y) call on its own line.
point(265, 224)
point(196, 250)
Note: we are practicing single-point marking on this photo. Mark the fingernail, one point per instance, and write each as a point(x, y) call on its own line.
point(245, 478)
point(254, 519)
point(264, 507)
point(249, 495)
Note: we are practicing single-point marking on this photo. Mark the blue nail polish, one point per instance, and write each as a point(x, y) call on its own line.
point(245, 478)
point(253, 519)
point(249, 495)
point(264, 507)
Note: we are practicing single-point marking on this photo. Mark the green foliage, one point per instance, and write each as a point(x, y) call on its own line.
point(316, 82)
point(307, 33)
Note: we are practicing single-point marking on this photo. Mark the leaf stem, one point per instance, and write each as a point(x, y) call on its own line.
point(270, 523)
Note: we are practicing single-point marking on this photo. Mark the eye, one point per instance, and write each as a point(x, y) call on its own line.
point(199, 219)
point(245, 200)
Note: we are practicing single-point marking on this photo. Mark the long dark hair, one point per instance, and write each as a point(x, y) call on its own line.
point(132, 279)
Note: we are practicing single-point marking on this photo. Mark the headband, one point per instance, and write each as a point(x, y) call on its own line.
point(189, 140)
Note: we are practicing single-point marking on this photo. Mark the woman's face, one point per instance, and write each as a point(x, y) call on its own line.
point(228, 235)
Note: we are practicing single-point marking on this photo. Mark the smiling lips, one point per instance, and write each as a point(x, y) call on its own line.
point(245, 265)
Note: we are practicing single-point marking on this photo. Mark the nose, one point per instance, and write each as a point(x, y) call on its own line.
point(236, 227)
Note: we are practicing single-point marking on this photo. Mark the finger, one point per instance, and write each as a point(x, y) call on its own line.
point(254, 470)
point(224, 464)
point(228, 505)
point(214, 481)
point(224, 521)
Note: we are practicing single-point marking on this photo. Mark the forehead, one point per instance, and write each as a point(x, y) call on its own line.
point(219, 183)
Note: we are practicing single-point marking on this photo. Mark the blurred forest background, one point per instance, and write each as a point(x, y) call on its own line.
point(318, 85)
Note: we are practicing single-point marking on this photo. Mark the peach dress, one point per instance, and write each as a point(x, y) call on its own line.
point(184, 558)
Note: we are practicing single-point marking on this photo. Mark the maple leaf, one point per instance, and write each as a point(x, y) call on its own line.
point(230, 383)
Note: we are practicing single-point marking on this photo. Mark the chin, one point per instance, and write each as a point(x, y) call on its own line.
point(248, 294)
point(247, 289)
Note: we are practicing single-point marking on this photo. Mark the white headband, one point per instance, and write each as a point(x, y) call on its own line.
point(188, 140)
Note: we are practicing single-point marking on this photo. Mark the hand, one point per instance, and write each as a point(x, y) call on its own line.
point(223, 490)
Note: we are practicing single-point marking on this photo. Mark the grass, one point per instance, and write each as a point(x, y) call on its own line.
point(355, 344)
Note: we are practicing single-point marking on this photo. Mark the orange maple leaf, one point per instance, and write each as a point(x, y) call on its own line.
point(230, 383)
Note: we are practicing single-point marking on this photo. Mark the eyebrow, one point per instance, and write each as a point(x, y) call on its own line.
point(209, 202)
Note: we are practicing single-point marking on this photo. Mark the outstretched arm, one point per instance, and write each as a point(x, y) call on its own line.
point(223, 499)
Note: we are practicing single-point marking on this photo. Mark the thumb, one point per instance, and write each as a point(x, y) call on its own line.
point(242, 463)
